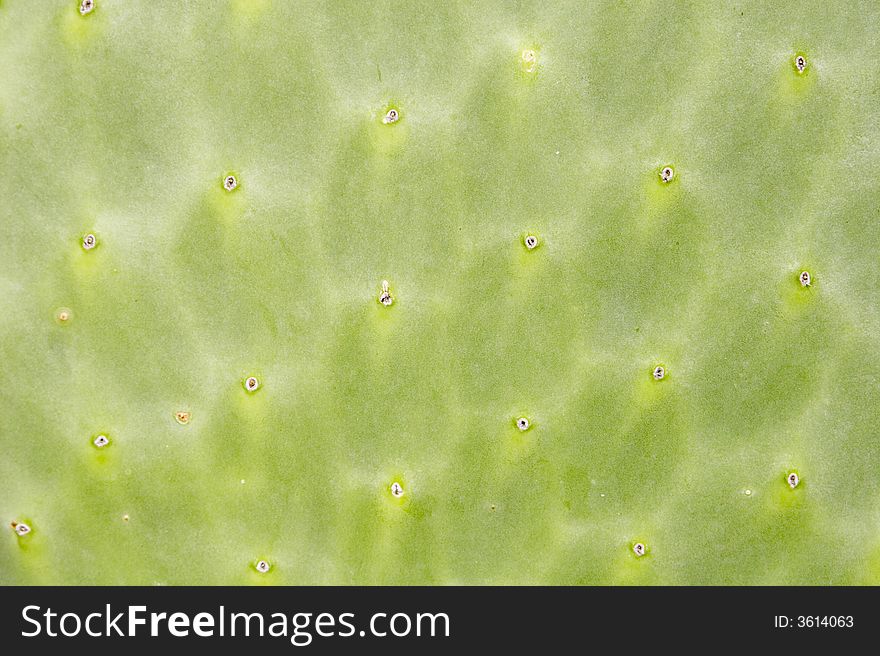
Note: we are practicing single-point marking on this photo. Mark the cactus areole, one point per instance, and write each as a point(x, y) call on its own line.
point(515, 293)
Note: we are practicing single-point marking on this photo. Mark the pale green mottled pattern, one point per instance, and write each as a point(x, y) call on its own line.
point(123, 123)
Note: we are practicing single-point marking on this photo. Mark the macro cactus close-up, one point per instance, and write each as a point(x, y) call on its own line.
point(478, 293)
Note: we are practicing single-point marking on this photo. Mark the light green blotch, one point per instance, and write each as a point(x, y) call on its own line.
point(80, 32)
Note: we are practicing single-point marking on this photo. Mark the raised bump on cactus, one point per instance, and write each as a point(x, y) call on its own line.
point(639, 549)
point(182, 417)
point(251, 384)
point(89, 241)
point(659, 372)
point(86, 7)
point(63, 316)
point(530, 242)
point(396, 490)
point(793, 480)
point(529, 60)
point(21, 529)
point(391, 116)
point(667, 173)
point(262, 566)
point(385, 297)
point(523, 424)
point(101, 441)
point(230, 182)
point(805, 279)
point(800, 63)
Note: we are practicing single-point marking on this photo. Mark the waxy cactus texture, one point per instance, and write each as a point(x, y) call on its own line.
point(462, 292)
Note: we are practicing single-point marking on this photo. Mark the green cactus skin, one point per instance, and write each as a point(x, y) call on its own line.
point(549, 119)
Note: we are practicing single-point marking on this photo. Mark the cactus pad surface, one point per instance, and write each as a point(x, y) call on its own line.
point(463, 292)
